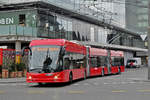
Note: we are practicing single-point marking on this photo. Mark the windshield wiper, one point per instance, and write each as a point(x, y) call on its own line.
point(35, 69)
point(46, 63)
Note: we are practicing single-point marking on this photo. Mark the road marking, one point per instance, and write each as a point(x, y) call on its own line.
point(76, 84)
point(76, 92)
point(143, 90)
point(2, 92)
point(106, 83)
point(35, 92)
point(86, 84)
point(124, 82)
point(132, 82)
point(96, 83)
point(119, 91)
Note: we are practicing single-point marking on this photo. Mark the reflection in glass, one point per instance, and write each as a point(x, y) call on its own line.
point(45, 57)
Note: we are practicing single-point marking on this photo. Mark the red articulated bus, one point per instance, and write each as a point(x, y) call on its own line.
point(59, 60)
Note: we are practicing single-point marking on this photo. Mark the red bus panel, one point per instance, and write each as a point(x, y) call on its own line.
point(98, 52)
point(97, 70)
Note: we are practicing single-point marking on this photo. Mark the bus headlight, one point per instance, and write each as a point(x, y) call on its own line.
point(55, 77)
point(30, 77)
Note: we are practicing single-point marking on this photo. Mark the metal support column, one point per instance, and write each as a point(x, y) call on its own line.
point(18, 46)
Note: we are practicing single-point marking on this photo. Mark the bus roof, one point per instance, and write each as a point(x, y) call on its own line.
point(69, 45)
point(98, 52)
point(117, 53)
point(59, 42)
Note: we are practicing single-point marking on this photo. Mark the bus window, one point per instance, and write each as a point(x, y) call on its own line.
point(84, 62)
point(98, 61)
point(93, 61)
point(60, 64)
point(74, 60)
point(101, 61)
point(117, 61)
point(122, 61)
point(66, 63)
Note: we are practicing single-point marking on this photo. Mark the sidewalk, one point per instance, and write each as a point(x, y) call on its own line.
point(13, 80)
point(136, 74)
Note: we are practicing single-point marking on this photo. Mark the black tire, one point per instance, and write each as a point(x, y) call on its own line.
point(102, 73)
point(84, 75)
point(119, 71)
point(40, 84)
point(70, 78)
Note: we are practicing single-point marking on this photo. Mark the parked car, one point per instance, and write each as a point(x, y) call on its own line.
point(133, 63)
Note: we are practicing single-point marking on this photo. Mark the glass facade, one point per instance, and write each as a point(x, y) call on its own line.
point(107, 11)
point(18, 23)
point(59, 26)
point(114, 11)
point(137, 16)
point(47, 24)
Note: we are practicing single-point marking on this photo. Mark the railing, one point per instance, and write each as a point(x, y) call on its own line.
point(17, 30)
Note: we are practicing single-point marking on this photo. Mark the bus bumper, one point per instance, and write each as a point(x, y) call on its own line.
point(44, 78)
point(47, 80)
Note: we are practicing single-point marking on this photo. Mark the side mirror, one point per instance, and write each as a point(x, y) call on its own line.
point(23, 51)
point(62, 51)
point(67, 58)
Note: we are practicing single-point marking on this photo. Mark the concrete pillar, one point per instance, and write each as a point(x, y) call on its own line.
point(127, 55)
point(18, 50)
point(18, 46)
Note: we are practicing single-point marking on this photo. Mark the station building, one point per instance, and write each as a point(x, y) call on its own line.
point(23, 21)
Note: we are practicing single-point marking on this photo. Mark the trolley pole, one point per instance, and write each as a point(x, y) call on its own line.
point(149, 41)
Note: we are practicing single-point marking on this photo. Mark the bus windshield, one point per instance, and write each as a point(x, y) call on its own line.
point(44, 58)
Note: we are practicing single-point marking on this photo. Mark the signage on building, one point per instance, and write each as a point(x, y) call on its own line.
point(6, 21)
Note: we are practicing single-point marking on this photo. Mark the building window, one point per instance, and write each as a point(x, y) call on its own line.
point(142, 11)
point(145, 3)
point(22, 19)
point(143, 24)
point(143, 17)
point(92, 33)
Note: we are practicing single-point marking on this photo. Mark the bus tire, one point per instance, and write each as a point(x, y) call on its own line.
point(119, 70)
point(84, 75)
point(40, 84)
point(70, 78)
point(102, 73)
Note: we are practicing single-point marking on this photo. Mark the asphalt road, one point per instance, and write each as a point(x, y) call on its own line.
point(130, 85)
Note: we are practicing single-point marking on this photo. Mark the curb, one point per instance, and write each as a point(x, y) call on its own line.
point(12, 82)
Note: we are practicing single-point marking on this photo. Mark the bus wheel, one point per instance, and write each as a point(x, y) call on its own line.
point(84, 75)
point(102, 73)
point(119, 71)
point(70, 78)
point(40, 84)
